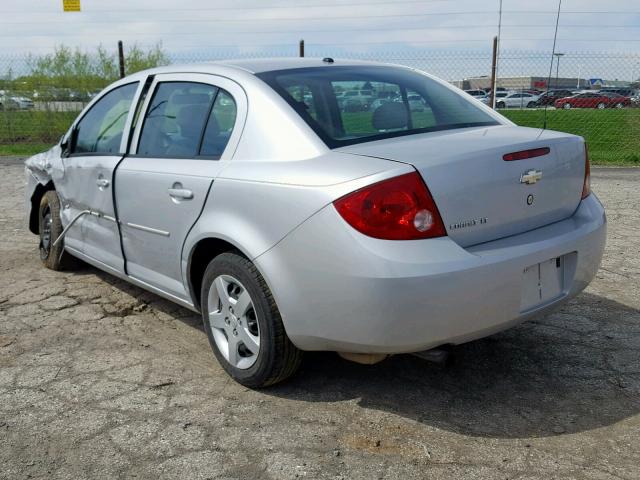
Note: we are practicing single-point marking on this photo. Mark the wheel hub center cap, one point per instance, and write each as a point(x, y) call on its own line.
point(234, 320)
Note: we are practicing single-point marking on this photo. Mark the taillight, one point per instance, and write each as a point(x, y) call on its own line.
point(586, 186)
point(524, 154)
point(400, 208)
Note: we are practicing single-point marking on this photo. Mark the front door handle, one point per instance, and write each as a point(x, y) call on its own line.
point(102, 182)
point(181, 193)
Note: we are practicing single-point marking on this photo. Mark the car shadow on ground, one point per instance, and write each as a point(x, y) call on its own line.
point(574, 370)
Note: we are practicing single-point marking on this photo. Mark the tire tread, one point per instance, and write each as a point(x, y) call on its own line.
point(286, 357)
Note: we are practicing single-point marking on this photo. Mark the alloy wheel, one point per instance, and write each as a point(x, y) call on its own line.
point(45, 233)
point(233, 321)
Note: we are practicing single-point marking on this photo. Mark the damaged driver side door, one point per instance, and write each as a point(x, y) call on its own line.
point(96, 145)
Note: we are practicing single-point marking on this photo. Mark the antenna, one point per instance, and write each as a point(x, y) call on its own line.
point(553, 54)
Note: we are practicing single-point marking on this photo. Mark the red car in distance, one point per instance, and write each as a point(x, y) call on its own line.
point(593, 100)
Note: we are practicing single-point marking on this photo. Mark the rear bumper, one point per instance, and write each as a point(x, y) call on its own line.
point(340, 290)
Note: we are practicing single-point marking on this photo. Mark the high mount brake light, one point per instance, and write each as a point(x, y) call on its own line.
point(524, 154)
point(399, 208)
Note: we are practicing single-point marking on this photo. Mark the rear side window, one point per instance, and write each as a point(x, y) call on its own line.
point(175, 119)
point(187, 120)
point(348, 105)
point(219, 126)
point(100, 130)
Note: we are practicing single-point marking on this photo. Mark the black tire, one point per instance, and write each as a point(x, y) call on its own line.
point(531, 104)
point(50, 228)
point(500, 105)
point(277, 358)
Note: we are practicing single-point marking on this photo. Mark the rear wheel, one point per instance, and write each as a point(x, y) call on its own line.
point(531, 104)
point(243, 323)
point(619, 105)
point(50, 228)
point(500, 105)
point(566, 106)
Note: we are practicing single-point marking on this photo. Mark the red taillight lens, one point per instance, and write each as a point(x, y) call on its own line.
point(586, 186)
point(400, 208)
point(524, 154)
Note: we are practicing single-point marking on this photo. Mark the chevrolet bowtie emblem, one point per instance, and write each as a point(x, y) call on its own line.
point(531, 176)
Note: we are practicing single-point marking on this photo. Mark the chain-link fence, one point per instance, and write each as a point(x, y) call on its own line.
point(590, 94)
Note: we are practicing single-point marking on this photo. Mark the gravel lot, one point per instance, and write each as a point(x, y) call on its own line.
point(99, 379)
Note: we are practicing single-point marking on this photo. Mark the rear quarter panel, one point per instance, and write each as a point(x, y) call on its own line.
point(255, 204)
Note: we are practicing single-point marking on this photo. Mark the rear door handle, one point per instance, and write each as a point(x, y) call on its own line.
point(181, 193)
point(102, 182)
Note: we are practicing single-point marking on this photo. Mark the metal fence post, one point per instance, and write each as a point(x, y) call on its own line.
point(121, 58)
point(494, 61)
point(301, 50)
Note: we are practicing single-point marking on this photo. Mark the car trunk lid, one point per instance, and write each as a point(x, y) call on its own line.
point(480, 196)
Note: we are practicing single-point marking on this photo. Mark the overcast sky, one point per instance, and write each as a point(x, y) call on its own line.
point(195, 28)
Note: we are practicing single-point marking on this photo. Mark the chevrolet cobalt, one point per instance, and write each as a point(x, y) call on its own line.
point(244, 191)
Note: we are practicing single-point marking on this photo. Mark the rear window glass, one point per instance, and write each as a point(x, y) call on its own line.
point(348, 105)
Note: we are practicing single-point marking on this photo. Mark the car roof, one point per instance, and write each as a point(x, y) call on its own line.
point(258, 65)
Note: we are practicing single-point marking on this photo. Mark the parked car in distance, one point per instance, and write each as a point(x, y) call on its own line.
point(625, 92)
point(593, 100)
point(355, 100)
point(549, 98)
point(518, 100)
point(15, 102)
point(416, 103)
point(476, 93)
point(238, 190)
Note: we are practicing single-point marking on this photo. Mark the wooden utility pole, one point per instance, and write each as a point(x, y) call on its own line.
point(301, 48)
point(121, 58)
point(494, 80)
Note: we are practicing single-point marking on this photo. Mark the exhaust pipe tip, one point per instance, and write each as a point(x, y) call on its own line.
point(442, 355)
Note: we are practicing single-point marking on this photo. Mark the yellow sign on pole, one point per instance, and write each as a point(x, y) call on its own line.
point(71, 5)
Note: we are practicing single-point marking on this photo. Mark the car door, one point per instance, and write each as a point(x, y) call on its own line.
point(189, 130)
point(586, 100)
point(515, 100)
point(94, 146)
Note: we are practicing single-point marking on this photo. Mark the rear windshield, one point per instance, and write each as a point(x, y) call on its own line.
point(348, 105)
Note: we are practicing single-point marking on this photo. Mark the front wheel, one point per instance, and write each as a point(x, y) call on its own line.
point(50, 228)
point(600, 106)
point(243, 323)
point(566, 106)
point(619, 105)
point(500, 105)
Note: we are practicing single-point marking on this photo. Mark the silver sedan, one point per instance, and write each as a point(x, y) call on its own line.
point(241, 190)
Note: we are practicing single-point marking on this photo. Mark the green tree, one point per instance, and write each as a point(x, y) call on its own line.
point(74, 73)
point(137, 59)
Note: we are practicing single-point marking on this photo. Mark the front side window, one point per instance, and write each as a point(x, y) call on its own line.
point(348, 105)
point(100, 130)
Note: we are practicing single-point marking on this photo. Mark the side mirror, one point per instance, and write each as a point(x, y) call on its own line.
point(68, 143)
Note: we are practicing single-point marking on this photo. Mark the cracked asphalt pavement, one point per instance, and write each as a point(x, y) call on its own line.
point(100, 379)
